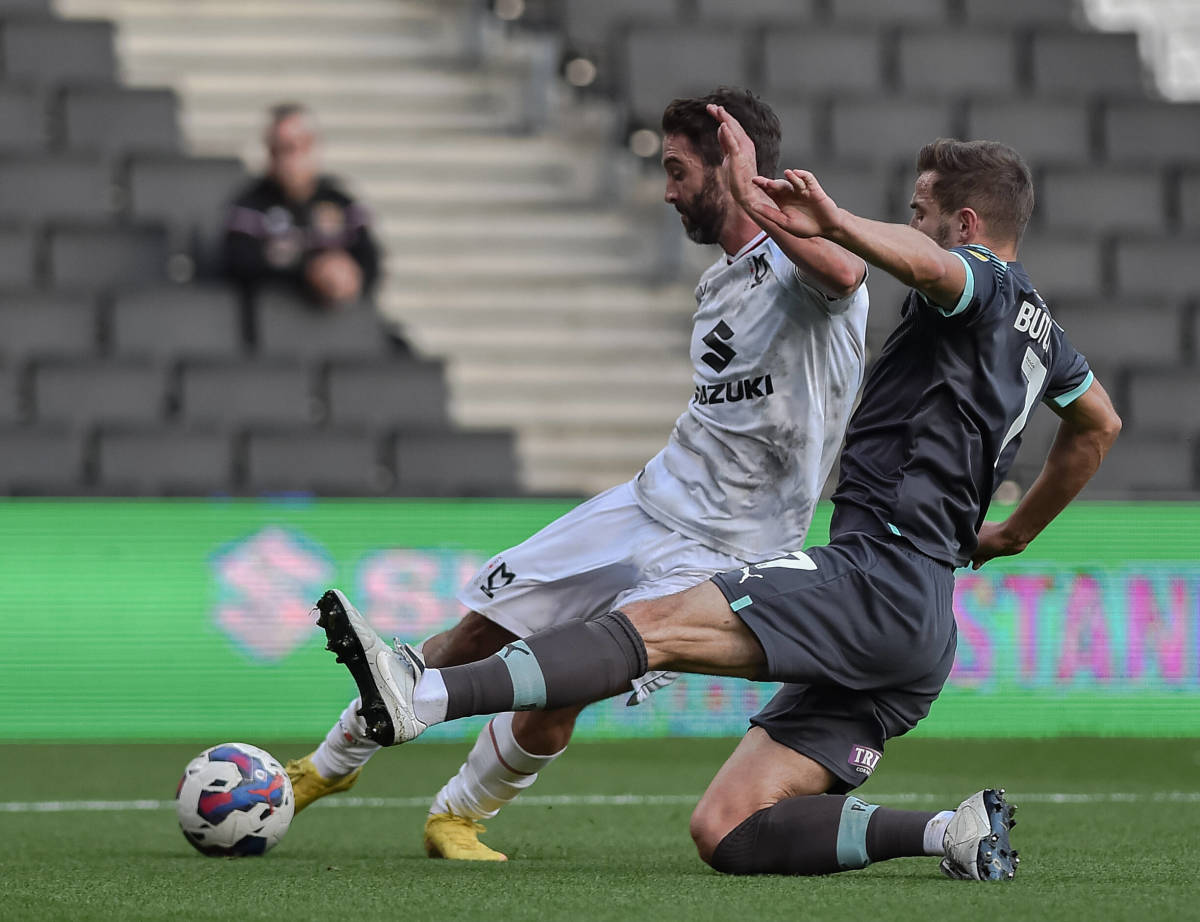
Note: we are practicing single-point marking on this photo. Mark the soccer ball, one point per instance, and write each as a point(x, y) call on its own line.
point(234, 800)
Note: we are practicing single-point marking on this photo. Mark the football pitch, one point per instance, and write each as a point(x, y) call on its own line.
point(1107, 830)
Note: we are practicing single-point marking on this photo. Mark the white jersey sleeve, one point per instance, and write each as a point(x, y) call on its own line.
point(777, 367)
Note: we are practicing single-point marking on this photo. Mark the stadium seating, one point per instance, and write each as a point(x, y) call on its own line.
point(18, 258)
point(1103, 199)
point(52, 51)
point(42, 460)
point(167, 324)
point(86, 393)
point(287, 326)
point(387, 395)
point(155, 461)
point(1088, 63)
point(70, 187)
point(102, 257)
point(331, 461)
point(677, 61)
point(1152, 132)
point(455, 463)
point(36, 325)
point(113, 118)
point(22, 119)
point(936, 62)
point(1045, 131)
point(235, 394)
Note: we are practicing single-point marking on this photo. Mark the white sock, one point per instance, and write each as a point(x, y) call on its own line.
point(496, 771)
point(430, 698)
point(935, 833)
point(346, 746)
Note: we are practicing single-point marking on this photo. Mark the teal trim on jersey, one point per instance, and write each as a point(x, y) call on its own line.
point(967, 291)
point(893, 529)
point(529, 685)
point(852, 834)
point(739, 604)
point(1074, 394)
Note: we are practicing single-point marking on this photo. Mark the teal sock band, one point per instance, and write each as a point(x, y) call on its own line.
point(852, 834)
point(529, 685)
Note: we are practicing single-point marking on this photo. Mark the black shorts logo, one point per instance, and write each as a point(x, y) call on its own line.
point(497, 579)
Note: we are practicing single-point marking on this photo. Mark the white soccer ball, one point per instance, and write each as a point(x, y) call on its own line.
point(234, 800)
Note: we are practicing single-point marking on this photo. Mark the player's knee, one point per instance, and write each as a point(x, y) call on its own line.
point(711, 822)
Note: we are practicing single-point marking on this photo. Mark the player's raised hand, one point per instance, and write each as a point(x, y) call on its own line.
point(740, 162)
point(800, 207)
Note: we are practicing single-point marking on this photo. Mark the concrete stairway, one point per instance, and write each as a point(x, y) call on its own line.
point(519, 247)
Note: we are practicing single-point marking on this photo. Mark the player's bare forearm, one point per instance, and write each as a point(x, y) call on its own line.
point(902, 252)
point(1089, 428)
point(832, 270)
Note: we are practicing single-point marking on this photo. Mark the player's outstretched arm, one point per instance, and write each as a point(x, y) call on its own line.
point(1088, 429)
point(799, 206)
point(824, 265)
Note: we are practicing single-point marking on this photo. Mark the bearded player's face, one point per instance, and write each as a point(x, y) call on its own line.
point(694, 190)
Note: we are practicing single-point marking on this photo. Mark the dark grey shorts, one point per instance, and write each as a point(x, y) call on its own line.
point(862, 633)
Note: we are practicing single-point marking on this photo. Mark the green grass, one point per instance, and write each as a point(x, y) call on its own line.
point(1111, 861)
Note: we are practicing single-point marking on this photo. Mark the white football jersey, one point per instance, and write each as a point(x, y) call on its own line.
point(777, 368)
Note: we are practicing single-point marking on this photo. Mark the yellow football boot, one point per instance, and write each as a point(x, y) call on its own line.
point(457, 838)
point(308, 784)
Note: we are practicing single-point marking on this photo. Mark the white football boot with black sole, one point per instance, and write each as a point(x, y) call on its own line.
point(385, 677)
point(977, 843)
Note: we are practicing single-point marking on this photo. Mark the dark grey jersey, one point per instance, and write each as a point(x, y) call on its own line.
point(944, 406)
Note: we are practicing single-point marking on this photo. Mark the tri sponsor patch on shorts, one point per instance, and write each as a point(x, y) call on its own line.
point(864, 759)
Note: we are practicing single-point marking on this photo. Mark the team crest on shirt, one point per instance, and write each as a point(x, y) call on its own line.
point(499, 576)
point(760, 268)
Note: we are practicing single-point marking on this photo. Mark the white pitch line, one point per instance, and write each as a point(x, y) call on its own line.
point(604, 800)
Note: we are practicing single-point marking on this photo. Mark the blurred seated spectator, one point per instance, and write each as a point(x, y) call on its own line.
point(296, 227)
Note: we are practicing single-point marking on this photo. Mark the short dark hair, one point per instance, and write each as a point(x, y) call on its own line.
point(285, 110)
point(987, 176)
point(689, 117)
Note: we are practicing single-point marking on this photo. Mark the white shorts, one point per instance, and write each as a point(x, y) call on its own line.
point(599, 556)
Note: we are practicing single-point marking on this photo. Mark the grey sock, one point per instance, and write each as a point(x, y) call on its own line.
point(573, 663)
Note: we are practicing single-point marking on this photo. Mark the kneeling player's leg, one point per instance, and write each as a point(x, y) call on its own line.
point(767, 811)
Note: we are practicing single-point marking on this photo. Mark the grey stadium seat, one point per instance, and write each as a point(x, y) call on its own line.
point(55, 188)
point(164, 461)
point(101, 258)
point(1021, 12)
point(805, 61)
point(1165, 401)
point(665, 63)
point(236, 394)
point(764, 12)
point(176, 322)
point(1088, 63)
point(894, 129)
point(22, 119)
point(12, 406)
point(1189, 201)
point(387, 395)
point(54, 51)
point(1149, 132)
point(875, 12)
point(802, 141)
point(590, 25)
point(983, 62)
point(1145, 466)
point(1166, 266)
point(862, 187)
point(330, 462)
point(1043, 131)
point(455, 463)
point(41, 460)
point(189, 195)
point(18, 258)
point(1123, 332)
point(289, 326)
point(98, 392)
point(111, 119)
point(40, 325)
point(1098, 200)
point(1063, 266)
